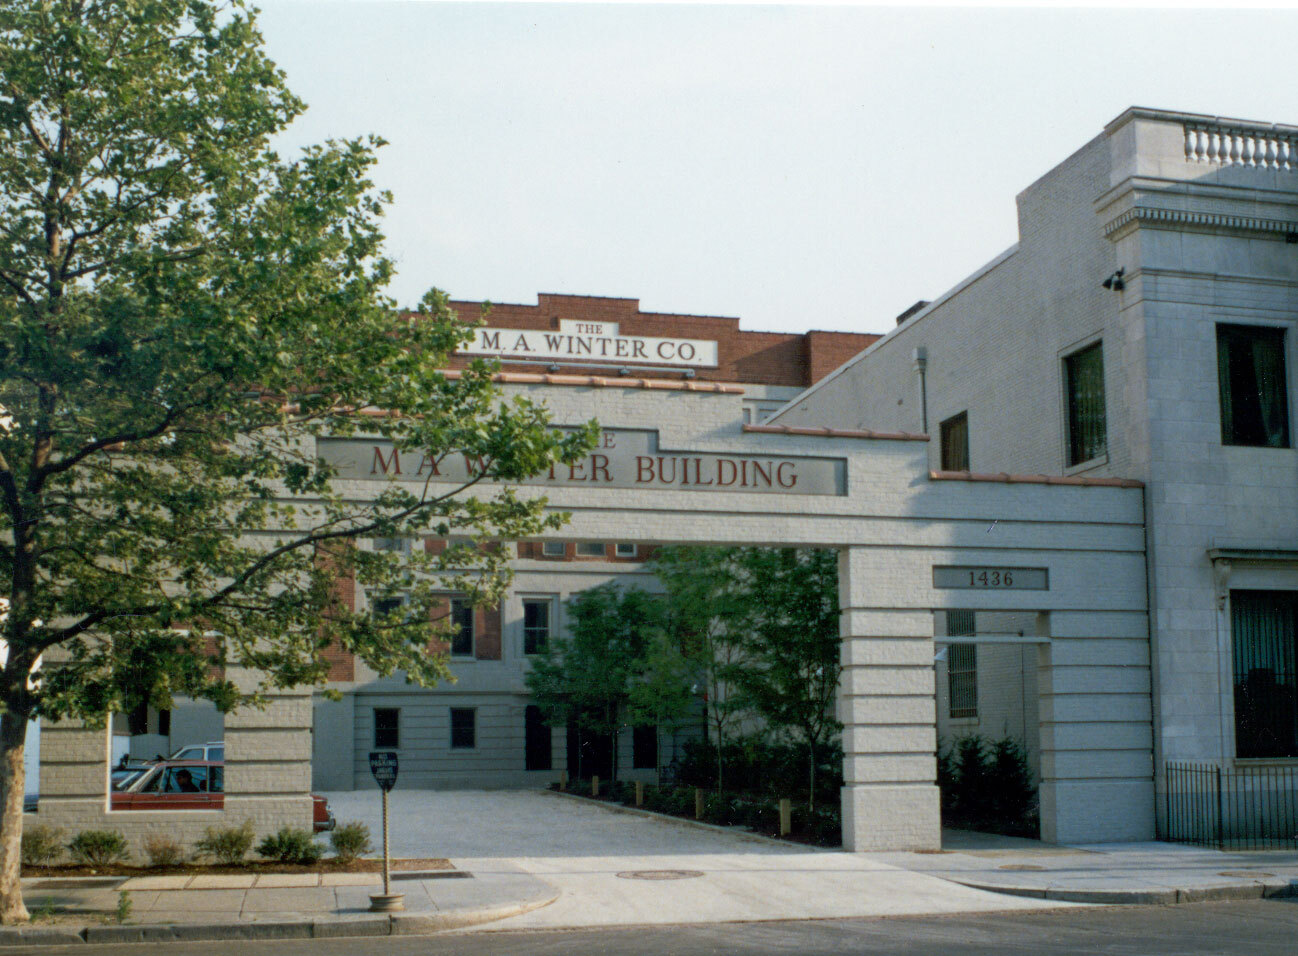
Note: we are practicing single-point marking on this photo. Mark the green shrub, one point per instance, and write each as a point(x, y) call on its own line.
point(987, 786)
point(350, 840)
point(291, 845)
point(162, 850)
point(99, 847)
point(227, 845)
point(41, 845)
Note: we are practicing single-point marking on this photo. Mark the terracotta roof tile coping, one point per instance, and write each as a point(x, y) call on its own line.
point(598, 381)
point(834, 432)
point(1036, 479)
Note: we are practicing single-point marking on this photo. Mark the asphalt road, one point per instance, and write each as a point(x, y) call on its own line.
point(1255, 928)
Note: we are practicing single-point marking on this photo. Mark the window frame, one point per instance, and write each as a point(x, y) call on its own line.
point(553, 549)
point(472, 728)
point(944, 429)
point(549, 603)
point(459, 606)
point(1239, 690)
point(1075, 452)
point(620, 553)
point(585, 549)
point(964, 673)
point(1230, 430)
point(395, 730)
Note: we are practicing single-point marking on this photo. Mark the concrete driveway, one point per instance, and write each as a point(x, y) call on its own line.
point(619, 868)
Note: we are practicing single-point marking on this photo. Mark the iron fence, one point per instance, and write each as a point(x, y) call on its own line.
point(1232, 808)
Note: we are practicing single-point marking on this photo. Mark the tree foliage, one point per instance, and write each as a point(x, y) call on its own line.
point(587, 675)
point(182, 312)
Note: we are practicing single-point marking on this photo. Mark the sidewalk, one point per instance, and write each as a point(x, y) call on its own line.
point(670, 872)
point(274, 906)
point(1112, 873)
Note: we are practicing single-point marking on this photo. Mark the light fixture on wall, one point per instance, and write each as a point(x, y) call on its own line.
point(1115, 282)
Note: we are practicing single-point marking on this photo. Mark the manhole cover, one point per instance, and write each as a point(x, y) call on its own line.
point(660, 874)
point(1020, 866)
point(1246, 874)
point(432, 875)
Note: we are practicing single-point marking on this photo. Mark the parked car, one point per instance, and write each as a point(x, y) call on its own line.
point(212, 750)
point(194, 785)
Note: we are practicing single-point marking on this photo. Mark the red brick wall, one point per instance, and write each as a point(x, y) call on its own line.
point(759, 358)
point(342, 663)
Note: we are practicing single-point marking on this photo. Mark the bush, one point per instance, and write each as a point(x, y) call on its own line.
point(163, 851)
point(227, 845)
point(291, 845)
point(350, 840)
point(99, 847)
point(41, 845)
point(988, 786)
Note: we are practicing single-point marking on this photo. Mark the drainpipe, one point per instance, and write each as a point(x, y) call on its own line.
point(920, 358)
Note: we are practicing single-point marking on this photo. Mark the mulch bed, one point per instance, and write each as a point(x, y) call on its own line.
point(368, 865)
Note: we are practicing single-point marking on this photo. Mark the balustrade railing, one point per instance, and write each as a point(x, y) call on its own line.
point(1219, 144)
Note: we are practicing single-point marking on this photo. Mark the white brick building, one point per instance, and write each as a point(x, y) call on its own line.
point(1158, 261)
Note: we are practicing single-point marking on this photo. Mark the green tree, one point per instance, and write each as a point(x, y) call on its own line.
point(660, 694)
point(792, 663)
point(708, 619)
point(181, 313)
point(585, 676)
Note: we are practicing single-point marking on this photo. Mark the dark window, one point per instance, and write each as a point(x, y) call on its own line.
point(537, 740)
point(137, 720)
point(553, 549)
point(1264, 644)
point(644, 748)
point(1251, 383)
point(624, 549)
point(462, 636)
point(536, 626)
point(1084, 382)
point(164, 725)
point(962, 666)
point(387, 728)
point(591, 549)
point(955, 443)
point(388, 605)
point(463, 728)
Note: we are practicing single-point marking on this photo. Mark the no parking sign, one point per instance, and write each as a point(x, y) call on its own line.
point(383, 764)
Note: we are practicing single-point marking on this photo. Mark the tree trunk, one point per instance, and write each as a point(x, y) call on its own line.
point(13, 737)
point(811, 774)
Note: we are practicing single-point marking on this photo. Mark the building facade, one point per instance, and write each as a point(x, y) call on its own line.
point(1143, 326)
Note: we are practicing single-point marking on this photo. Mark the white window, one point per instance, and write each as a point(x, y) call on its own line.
point(552, 549)
point(538, 619)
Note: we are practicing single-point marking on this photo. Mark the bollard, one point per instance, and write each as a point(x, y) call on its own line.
point(563, 780)
point(594, 786)
point(698, 804)
point(786, 816)
point(639, 793)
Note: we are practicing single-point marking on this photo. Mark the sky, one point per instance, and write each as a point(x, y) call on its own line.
point(800, 167)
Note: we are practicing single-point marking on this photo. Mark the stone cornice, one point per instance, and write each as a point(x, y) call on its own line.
point(1195, 222)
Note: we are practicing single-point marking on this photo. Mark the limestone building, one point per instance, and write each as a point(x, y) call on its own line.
point(1143, 326)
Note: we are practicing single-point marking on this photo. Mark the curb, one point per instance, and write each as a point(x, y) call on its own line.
point(1171, 896)
point(686, 821)
point(404, 924)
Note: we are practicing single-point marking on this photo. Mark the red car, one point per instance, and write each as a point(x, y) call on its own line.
point(194, 785)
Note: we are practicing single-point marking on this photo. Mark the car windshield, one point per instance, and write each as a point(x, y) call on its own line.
point(124, 778)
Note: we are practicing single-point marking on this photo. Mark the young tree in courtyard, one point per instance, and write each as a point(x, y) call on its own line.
point(181, 313)
point(708, 614)
point(792, 664)
point(660, 693)
point(586, 675)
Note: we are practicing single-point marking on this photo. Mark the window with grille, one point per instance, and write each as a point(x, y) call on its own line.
point(537, 614)
point(961, 666)
point(591, 549)
point(1084, 384)
point(464, 728)
point(462, 635)
point(624, 549)
point(387, 728)
point(1251, 386)
point(552, 549)
point(1264, 646)
point(955, 443)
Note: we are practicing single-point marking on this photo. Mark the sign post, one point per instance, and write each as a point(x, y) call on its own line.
point(383, 764)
